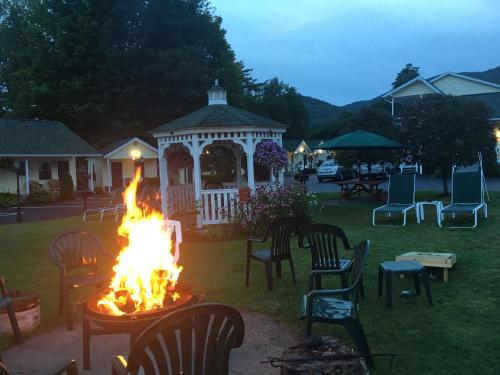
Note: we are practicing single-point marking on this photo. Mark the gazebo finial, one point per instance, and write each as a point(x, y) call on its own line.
point(217, 94)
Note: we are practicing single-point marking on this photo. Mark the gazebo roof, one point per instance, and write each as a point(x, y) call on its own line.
point(219, 116)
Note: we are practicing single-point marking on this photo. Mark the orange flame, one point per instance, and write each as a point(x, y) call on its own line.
point(146, 271)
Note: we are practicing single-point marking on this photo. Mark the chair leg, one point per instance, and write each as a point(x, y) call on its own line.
point(388, 288)
point(380, 281)
point(416, 277)
point(425, 281)
point(248, 272)
point(14, 324)
point(68, 312)
point(293, 271)
point(278, 269)
point(355, 329)
point(269, 274)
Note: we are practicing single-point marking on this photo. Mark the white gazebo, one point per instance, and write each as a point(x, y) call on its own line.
point(215, 125)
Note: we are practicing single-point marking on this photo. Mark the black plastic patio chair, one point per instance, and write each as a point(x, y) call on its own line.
point(190, 341)
point(281, 231)
point(68, 367)
point(71, 251)
point(323, 242)
point(321, 306)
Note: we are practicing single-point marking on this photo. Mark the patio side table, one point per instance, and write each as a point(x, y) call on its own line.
point(437, 204)
point(403, 267)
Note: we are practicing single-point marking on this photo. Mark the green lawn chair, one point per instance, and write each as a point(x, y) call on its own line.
point(467, 196)
point(401, 197)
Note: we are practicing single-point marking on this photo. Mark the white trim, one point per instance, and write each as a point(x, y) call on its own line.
point(203, 130)
point(410, 82)
point(477, 80)
point(155, 150)
point(49, 155)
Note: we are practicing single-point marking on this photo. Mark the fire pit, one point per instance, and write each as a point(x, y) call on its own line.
point(145, 285)
point(95, 322)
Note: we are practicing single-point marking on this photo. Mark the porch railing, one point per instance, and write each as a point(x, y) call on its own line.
point(180, 198)
point(217, 206)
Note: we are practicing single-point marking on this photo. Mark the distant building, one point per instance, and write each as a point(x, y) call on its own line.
point(46, 151)
point(450, 84)
point(120, 160)
point(303, 153)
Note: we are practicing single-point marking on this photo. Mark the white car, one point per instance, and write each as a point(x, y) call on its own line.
point(329, 170)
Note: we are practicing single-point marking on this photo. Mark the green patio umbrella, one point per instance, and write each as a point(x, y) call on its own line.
point(360, 140)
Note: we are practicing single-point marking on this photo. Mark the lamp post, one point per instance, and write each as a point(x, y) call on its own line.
point(17, 165)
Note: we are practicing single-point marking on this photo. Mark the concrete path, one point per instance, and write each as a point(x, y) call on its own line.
point(264, 337)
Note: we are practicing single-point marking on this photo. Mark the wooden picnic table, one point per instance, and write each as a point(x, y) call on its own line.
point(350, 187)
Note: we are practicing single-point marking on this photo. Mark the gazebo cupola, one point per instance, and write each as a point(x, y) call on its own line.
point(217, 94)
point(217, 125)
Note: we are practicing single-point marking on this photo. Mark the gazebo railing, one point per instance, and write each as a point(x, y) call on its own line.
point(217, 206)
point(180, 198)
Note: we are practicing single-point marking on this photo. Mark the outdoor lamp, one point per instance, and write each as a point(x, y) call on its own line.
point(135, 154)
point(497, 133)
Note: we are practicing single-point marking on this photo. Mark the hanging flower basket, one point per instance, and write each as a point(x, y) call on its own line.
point(271, 155)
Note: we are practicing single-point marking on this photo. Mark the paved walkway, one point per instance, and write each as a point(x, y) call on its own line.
point(264, 337)
point(37, 212)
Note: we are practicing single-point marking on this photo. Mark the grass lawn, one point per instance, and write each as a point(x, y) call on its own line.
point(459, 335)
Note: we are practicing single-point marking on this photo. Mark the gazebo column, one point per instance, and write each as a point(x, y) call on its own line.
point(237, 156)
point(197, 180)
point(90, 169)
point(108, 175)
point(281, 174)
point(250, 171)
point(163, 184)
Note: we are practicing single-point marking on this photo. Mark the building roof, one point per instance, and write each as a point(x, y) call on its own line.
point(291, 144)
point(41, 138)
point(219, 116)
point(115, 146)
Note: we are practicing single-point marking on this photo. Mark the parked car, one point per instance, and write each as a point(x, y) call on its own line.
point(329, 170)
point(378, 170)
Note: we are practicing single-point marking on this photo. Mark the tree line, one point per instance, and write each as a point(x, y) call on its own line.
point(116, 68)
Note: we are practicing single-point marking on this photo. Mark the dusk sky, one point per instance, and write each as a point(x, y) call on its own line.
point(343, 51)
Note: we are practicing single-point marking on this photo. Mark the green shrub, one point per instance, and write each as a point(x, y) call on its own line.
point(8, 200)
point(66, 187)
point(41, 196)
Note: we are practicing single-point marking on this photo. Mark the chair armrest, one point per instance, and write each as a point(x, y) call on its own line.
point(326, 272)
point(67, 366)
point(118, 365)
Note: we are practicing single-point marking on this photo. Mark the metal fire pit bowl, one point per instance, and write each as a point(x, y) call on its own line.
point(96, 322)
